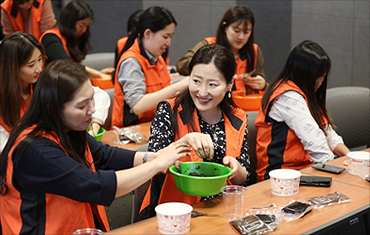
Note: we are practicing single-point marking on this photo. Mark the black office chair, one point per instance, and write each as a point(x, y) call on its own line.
point(349, 108)
point(252, 131)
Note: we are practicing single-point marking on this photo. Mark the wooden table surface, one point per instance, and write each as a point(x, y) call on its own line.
point(260, 195)
point(110, 137)
point(344, 177)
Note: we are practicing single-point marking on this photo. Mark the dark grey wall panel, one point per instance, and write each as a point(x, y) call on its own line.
point(110, 22)
point(342, 29)
point(272, 32)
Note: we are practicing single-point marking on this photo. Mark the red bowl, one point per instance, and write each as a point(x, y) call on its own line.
point(250, 102)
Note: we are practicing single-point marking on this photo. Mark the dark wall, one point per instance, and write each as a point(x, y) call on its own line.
point(110, 22)
point(273, 20)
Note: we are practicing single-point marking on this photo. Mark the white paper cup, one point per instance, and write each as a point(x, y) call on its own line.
point(173, 217)
point(284, 182)
point(358, 160)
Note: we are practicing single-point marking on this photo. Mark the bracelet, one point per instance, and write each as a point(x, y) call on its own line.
point(145, 157)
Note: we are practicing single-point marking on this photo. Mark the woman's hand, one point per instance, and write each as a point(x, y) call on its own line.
point(166, 157)
point(233, 164)
point(257, 82)
point(201, 143)
point(107, 70)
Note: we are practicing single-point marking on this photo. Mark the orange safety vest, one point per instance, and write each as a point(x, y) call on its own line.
point(241, 65)
point(277, 145)
point(56, 31)
point(234, 141)
point(122, 42)
point(156, 78)
point(17, 21)
point(24, 107)
point(62, 215)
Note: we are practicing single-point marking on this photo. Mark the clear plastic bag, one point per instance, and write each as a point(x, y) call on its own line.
point(328, 199)
point(271, 215)
point(251, 225)
point(295, 210)
point(129, 134)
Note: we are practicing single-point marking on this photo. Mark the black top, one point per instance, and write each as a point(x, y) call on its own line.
point(44, 168)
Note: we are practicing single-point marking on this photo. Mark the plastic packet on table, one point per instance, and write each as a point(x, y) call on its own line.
point(129, 134)
point(295, 210)
point(252, 224)
point(328, 199)
point(270, 215)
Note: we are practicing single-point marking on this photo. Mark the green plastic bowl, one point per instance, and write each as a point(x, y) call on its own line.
point(99, 135)
point(211, 184)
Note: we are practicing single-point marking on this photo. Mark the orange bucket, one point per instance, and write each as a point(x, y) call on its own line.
point(102, 83)
point(251, 102)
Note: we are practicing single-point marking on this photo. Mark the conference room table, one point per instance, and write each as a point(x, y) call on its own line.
point(110, 137)
point(353, 215)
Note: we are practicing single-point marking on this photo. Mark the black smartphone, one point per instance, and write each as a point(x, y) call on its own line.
point(318, 181)
point(328, 168)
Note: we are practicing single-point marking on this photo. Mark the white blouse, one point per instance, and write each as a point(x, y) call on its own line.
point(291, 108)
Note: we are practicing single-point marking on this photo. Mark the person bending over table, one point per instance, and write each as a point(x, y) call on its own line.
point(204, 110)
point(54, 177)
point(236, 32)
point(142, 79)
point(294, 129)
point(70, 39)
point(21, 62)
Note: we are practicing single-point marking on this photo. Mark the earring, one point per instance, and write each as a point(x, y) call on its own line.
point(229, 94)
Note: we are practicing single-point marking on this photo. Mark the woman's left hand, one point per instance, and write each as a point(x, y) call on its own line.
point(107, 70)
point(257, 82)
point(233, 164)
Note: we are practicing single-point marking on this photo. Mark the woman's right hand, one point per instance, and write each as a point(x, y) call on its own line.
point(166, 157)
point(201, 143)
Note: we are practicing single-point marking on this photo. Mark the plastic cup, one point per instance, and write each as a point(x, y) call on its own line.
point(88, 231)
point(173, 217)
point(233, 200)
point(285, 182)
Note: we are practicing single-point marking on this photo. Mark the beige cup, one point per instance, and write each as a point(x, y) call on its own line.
point(233, 200)
point(88, 231)
point(284, 182)
point(358, 161)
point(173, 217)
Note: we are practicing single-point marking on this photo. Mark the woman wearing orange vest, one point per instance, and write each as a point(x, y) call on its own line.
point(132, 22)
point(205, 107)
point(21, 59)
point(294, 130)
point(71, 38)
point(54, 177)
point(236, 32)
point(142, 79)
point(31, 16)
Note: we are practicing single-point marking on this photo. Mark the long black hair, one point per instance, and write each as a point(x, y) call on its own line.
point(154, 18)
point(74, 11)
point(57, 85)
point(306, 63)
point(239, 14)
point(225, 63)
point(15, 52)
